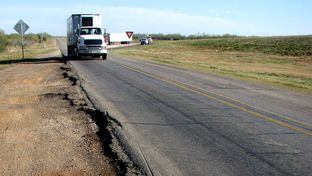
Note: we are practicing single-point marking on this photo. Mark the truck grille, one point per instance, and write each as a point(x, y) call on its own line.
point(93, 42)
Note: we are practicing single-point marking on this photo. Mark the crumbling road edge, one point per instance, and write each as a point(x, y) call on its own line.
point(125, 154)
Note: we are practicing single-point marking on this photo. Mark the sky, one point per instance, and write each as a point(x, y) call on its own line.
point(215, 17)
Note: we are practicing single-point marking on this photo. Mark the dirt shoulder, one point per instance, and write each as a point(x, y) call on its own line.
point(41, 132)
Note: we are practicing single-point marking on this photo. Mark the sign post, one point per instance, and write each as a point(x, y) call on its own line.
point(21, 27)
point(129, 34)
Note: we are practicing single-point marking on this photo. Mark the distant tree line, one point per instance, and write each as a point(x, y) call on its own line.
point(15, 39)
point(178, 36)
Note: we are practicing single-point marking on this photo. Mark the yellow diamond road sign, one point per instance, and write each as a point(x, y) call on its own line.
point(21, 27)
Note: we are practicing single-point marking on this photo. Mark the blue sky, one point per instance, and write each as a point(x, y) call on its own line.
point(241, 17)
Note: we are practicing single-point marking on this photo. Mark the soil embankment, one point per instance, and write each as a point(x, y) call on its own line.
point(41, 132)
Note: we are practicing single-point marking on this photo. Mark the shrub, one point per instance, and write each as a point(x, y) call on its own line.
point(3, 41)
point(43, 36)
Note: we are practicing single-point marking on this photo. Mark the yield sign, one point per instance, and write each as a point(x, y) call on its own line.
point(21, 27)
point(129, 34)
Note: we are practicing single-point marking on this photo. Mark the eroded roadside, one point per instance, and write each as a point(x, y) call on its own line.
point(48, 128)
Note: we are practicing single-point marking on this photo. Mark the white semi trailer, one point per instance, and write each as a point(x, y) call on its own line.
point(119, 38)
point(85, 36)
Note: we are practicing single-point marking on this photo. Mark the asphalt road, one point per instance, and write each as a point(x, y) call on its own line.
point(188, 123)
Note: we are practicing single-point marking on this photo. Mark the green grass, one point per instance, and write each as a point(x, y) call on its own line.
point(283, 61)
point(291, 46)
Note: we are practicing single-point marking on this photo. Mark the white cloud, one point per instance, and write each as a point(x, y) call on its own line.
point(118, 19)
point(225, 12)
point(145, 20)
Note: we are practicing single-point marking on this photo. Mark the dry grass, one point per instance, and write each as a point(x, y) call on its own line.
point(15, 53)
point(32, 51)
point(289, 71)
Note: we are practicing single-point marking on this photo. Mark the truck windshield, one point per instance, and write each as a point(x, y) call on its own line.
point(91, 31)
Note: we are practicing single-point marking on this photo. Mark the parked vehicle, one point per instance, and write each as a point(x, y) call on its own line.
point(147, 40)
point(144, 41)
point(85, 36)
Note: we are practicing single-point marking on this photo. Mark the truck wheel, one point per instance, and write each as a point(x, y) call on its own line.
point(104, 56)
point(76, 54)
point(69, 52)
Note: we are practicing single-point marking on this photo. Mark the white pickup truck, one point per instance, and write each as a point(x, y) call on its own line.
point(146, 40)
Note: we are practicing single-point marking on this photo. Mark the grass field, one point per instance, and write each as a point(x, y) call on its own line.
point(283, 61)
point(287, 46)
point(15, 53)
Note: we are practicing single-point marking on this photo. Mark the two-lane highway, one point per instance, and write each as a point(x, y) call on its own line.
point(188, 123)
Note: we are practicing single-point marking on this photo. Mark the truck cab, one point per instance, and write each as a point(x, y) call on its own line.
point(91, 42)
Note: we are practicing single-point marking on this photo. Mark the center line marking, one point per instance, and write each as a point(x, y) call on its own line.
point(256, 114)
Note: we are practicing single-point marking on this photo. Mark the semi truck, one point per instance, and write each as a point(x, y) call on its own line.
point(85, 36)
